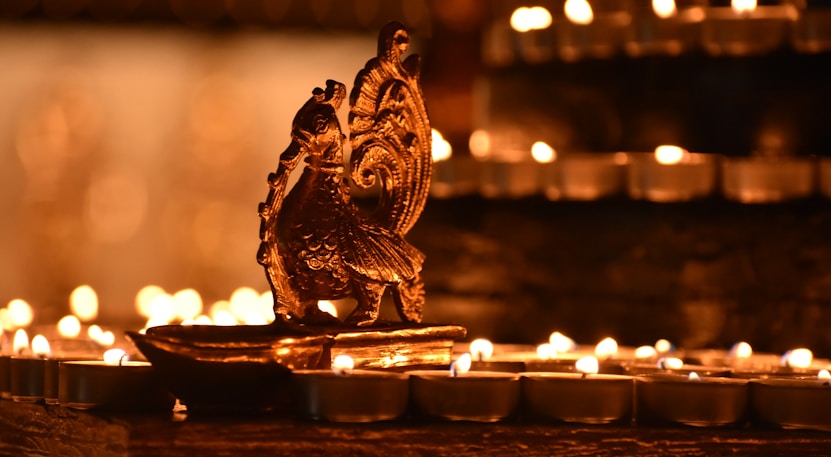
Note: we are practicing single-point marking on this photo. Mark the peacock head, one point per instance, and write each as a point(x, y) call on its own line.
point(316, 125)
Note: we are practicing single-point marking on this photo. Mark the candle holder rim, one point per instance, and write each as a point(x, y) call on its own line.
point(475, 376)
point(355, 373)
point(570, 376)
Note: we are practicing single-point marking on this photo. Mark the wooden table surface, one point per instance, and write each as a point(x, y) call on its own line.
point(31, 429)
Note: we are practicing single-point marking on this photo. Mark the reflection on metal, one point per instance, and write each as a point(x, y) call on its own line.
point(315, 243)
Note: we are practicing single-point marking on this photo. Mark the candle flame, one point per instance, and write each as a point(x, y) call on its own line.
point(798, 358)
point(460, 365)
point(187, 303)
point(670, 155)
point(606, 348)
point(543, 153)
point(20, 344)
point(525, 19)
point(244, 302)
point(69, 326)
point(481, 349)
point(545, 351)
point(693, 376)
point(663, 346)
point(743, 6)
point(741, 350)
point(664, 9)
point(561, 343)
point(479, 144)
point(579, 11)
point(327, 307)
point(343, 364)
point(94, 332)
point(20, 313)
point(115, 356)
point(587, 365)
point(40, 346)
point(670, 363)
point(83, 302)
point(824, 375)
point(645, 352)
point(145, 297)
point(441, 147)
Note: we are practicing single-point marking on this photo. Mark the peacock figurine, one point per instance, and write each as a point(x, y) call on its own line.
point(315, 243)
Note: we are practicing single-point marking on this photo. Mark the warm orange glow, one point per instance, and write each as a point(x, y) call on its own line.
point(94, 332)
point(83, 302)
point(824, 375)
point(606, 348)
point(693, 376)
point(645, 352)
point(480, 144)
point(20, 344)
point(543, 153)
point(743, 6)
point(441, 148)
point(162, 309)
point(481, 349)
point(40, 346)
point(670, 363)
point(670, 155)
point(545, 351)
point(579, 11)
point(187, 304)
point(587, 365)
point(244, 304)
point(741, 350)
point(663, 346)
point(69, 326)
point(223, 317)
point(20, 314)
point(664, 8)
point(798, 358)
point(560, 343)
point(343, 364)
point(327, 307)
point(144, 299)
point(106, 339)
point(461, 365)
point(115, 356)
point(525, 19)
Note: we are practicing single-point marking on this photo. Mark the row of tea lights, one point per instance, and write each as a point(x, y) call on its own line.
point(647, 385)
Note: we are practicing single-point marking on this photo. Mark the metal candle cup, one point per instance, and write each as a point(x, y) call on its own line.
point(124, 386)
point(791, 403)
point(27, 377)
point(478, 396)
point(695, 177)
point(5, 376)
point(676, 399)
point(574, 397)
point(354, 396)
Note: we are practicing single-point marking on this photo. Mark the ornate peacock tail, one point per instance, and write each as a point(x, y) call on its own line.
point(390, 132)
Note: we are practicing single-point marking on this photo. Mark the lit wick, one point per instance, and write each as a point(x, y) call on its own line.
point(587, 365)
point(460, 365)
point(481, 349)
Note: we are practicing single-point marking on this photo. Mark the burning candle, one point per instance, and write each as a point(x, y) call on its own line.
point(114, 383)
point(27, 370)
point(481, 351)
point(460, 394)
point(792, 403)
point(583, 397)
point(690, 400)
point(671, 174)
point(344, 394)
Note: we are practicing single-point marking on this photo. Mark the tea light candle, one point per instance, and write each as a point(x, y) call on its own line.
point(585, 397)
point(478, 396)
point(114, 383)
point(792, 403)
point(671, 174)
point(481, 351)
point(5, 376)
point(27, 372)
point(344, 394)
point(674, 365)
point(690, 400)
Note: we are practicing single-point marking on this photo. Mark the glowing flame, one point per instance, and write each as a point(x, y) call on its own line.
point(145, 297)
point(441, 147)
point(223, 317)
point(106, 339)
point(670, 155)
point(480, 144)
point(693, 376)
point(202, 320)
point(621, 158)
point(244, 302)
point(327, 307)
point(115, 356)
point(579, 11)
point(20, 344)
point(187, 304)
point(83, 302)
point(587, 365)
point(545, 351)
point(664, 8)
point(645, 352)
point(663, 346)
point(543, 153)
point(741, 350)
point(162, 311)
point(606, 348)
point(40, 346)
point(94, 332)
point(743, 6)
point(670, 363)
point(481, 349)
point(524, 19)
point(561, 343)
point(343, 364)
point(69, 326)
point(461, 365)
point(824, 375)
point(798, 358)
point(20, 314)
